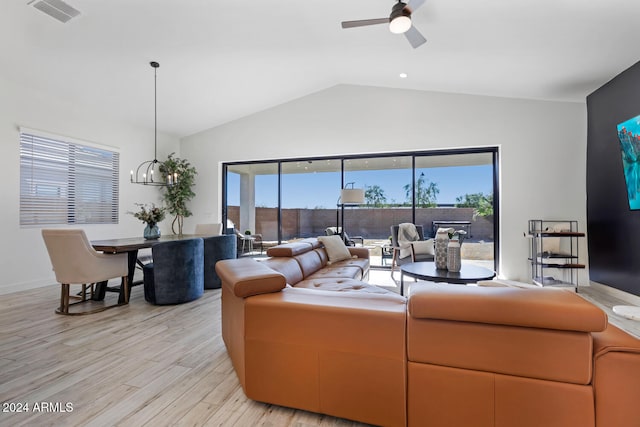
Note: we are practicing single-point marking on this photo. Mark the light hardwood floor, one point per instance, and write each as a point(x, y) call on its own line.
point(135, 365)
point(141, 364)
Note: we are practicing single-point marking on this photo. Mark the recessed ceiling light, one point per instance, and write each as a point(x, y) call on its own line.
point(403, 75)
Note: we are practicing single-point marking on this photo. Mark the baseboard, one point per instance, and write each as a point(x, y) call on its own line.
point(617, 293)
point(10, 288)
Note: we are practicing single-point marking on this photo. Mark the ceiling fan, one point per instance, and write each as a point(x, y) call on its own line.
point(399, 22)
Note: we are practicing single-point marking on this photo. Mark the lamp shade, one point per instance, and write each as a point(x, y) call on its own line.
point(352, 196)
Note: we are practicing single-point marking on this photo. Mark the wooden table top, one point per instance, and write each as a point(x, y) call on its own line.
point(129, 244)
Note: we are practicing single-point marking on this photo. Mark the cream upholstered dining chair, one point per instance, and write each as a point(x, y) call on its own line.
point(213, 229)
point(74, 262)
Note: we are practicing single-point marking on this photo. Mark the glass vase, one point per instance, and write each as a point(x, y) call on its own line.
point(151, 231)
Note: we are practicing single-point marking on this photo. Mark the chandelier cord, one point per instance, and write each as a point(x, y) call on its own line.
point(155, 114)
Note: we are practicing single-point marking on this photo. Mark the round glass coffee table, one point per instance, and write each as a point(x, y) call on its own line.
point(426, 270)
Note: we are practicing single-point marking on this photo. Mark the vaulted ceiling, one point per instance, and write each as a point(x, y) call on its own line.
point(221, 60)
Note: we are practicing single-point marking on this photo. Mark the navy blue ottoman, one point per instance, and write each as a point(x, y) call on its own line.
point(217, 248)
point(176, 274)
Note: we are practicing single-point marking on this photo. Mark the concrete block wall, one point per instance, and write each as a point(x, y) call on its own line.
point(371, 223)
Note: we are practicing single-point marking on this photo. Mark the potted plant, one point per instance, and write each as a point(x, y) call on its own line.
point(182, 177)
point(150, 216)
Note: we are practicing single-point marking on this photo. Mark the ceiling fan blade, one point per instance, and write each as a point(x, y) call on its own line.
point(414, 4)
point(364, 22)
point(415, 38)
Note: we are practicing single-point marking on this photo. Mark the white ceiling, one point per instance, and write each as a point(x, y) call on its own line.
point(222, 60)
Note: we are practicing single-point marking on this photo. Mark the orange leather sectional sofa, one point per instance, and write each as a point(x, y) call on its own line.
point(306, 333)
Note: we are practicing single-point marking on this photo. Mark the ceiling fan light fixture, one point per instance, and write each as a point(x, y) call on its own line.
point(400, 24)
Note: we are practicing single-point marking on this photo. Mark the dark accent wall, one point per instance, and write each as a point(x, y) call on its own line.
point(613, 230)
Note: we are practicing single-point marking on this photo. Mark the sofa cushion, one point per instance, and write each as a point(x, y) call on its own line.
point(341, 285)
point(313, 241)
point(361, 263)
point(546, 354)
point(336, 249)
point(309, 262)
point(322, 253)
point(348, 272)
point(287, 266)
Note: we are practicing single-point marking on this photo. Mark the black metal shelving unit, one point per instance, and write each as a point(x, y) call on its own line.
point(553, 252)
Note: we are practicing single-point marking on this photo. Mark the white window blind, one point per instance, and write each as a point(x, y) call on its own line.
point(64, 182)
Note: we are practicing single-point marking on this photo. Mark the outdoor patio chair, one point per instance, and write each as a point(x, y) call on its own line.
point(396, 261)
point(348, 240)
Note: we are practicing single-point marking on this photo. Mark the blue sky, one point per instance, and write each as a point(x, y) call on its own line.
point(321, 189)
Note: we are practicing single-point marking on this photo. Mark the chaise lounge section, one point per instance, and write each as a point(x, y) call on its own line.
point(307, 333)
point(302, 336)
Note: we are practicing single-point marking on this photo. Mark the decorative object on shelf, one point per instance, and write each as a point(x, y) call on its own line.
point(151, 216)
point(180, 192)
point(442, 241)
point(145, 171)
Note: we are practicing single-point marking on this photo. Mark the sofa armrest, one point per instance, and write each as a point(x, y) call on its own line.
point(359, 252)
point(246, 277)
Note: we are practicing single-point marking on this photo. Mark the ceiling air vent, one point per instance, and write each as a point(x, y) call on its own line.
point(56, 9)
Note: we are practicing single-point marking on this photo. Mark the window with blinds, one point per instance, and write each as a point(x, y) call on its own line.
point(63, 182)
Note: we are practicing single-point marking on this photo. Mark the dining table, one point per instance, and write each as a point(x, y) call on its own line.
point(130, 246)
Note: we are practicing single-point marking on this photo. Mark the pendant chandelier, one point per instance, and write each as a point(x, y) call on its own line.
point(146, 173)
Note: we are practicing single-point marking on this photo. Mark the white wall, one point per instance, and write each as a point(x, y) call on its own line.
point(542, 148)
point(23, 258)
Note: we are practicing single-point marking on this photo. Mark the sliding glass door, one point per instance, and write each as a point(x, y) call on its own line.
point(251, 207)
point(286, 200)
point(457, 191)
point(309, 192)
point(385, 181)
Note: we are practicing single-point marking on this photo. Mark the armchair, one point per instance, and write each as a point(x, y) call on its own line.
point(246, 242)
point(414, 255)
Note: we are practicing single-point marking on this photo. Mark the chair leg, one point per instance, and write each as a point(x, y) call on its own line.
point(65, 305)
point(393, 261)
point(125, 289)
point(64, 299)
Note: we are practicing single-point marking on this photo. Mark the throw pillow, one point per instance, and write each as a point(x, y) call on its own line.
point(423, 247)
point(335, 247)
